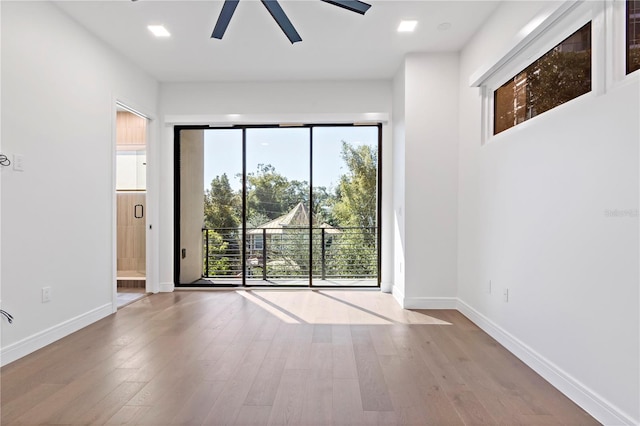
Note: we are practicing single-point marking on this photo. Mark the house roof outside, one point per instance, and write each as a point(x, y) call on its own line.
point(296, 217)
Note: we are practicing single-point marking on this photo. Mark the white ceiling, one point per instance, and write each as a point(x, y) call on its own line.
point(337, 44)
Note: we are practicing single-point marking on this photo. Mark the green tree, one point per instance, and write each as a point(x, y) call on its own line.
point(634, 59)
point(222, 206)
point(222, 213)
point(219, 259)
point(352, 206)
point(265, 190)
point(354, 251)
point(357, 194)
point(323, 201)
point(255, 219)
point(270, 194)
point(556, 78)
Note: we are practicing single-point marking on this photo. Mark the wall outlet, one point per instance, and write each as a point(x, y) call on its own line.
point(505, 295)
point(46, 294)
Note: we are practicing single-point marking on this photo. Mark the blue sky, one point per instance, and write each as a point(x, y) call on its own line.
point(287, 149)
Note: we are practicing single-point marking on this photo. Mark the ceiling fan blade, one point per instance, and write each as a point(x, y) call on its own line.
point(225, 17)
point(282, 20)
point(352, 5)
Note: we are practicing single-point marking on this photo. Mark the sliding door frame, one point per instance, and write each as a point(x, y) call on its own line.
point(243, 128)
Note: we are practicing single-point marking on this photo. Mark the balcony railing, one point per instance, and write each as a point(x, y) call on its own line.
point(283, 253)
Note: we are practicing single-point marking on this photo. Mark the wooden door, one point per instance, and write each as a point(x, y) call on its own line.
point(131, 234)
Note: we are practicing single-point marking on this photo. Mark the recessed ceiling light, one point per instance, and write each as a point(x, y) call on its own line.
point(407, 26)
point(159, 30)
point(444, 26)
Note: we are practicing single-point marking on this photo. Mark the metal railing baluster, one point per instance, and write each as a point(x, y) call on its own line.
point(345, 253)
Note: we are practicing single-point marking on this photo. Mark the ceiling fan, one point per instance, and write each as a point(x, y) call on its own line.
point(280, 16)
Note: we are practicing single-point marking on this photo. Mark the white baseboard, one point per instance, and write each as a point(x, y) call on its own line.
point(430, 303)
point(424, 302)
point(39, 340)
point(398, 295)
point(602, 410)
point(166, 287)
point(386, 287)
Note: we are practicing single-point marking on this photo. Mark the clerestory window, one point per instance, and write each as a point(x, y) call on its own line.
point(633, 35)
point(558, 76)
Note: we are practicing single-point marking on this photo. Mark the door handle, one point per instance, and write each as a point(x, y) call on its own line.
point(138, 211)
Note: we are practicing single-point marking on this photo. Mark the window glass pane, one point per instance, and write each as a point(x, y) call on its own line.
point(633, 35)
point(345, 205)
point(562, 74)
point(278, 206)
point(277, 188)
point(221, 151)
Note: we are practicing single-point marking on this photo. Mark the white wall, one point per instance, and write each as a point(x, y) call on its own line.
point(426, 173)
point(315, 101)
point(191, 204)
point(399, 139)
point(59, 86)
point(530, 205)
point(532, 218)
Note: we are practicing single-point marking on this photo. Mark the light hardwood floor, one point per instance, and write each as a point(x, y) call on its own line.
point(279, 357)
point(127, 295)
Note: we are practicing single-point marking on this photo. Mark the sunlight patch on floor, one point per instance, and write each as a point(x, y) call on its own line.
point(336, 307)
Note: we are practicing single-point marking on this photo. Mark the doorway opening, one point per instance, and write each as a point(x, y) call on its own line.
point(294, 206)
point(131, 195)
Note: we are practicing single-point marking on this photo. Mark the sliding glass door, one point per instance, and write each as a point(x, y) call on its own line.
point(222, 182)
point(277, 206)
point(345, 179)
